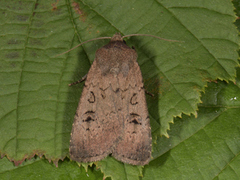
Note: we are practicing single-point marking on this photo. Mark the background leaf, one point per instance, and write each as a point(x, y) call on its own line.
point(37, 107)
point(42, 169)
point(206, 147)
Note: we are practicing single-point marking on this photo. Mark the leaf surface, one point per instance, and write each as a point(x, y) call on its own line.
point(37, 107)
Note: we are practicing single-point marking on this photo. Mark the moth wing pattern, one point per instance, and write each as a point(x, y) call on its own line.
point(112, 116)
point(135, 145)
point(94, 133)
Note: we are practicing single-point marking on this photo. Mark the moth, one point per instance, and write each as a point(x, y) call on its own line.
point(112, 115)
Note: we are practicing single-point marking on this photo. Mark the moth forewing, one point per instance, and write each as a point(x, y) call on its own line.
point(112, 115)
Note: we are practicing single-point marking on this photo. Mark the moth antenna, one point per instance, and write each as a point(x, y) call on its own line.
point(82, 44)
point(151, 36)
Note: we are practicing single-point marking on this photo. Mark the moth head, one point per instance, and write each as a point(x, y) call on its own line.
point(117, 37)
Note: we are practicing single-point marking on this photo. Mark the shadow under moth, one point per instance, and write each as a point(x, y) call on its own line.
point(112, 115)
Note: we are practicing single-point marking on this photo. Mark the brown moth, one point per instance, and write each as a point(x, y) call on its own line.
point(112, 115)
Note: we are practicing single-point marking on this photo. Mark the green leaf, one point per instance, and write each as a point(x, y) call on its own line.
point(37, 168)
point(117, 170)
point(206, 147)
point(37, 107)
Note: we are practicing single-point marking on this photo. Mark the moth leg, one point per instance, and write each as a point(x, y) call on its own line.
point(147, 92)
point(79, 81)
